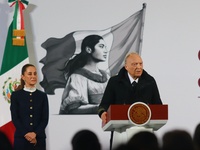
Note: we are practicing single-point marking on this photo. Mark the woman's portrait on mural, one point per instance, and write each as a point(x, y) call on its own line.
point(85, 81)
point(80, 72)
point(82, 62)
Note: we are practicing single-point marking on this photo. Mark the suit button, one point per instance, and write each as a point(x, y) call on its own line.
point(31, 107)
point(31, 116)
point(31, 124)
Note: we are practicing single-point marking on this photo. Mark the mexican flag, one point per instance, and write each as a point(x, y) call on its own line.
point(14, 57)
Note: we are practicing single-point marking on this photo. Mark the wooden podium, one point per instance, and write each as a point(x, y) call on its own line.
point(123, 128)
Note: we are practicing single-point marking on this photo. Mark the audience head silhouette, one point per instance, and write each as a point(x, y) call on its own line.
point(143, 140)
point(4, 142)
point(85, 140)
point(177, 140)
point(196, 137)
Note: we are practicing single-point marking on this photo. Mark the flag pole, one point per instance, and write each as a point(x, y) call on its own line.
point(142, 27)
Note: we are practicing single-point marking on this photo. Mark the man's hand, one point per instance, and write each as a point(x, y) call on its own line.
point(104, 117)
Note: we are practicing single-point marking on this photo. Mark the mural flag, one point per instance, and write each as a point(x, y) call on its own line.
point(121, 39)
point(14, 57)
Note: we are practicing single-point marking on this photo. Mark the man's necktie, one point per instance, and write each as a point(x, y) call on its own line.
point(134, 83)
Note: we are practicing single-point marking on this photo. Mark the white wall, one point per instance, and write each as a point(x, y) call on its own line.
point(170, 54)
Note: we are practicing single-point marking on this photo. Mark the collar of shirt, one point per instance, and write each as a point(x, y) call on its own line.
point(28, 89)
point(131, 79)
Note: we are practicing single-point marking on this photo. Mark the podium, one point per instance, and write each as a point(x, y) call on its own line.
point(122, 126)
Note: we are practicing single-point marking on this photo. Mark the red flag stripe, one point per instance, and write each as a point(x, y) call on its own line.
point(8, 129)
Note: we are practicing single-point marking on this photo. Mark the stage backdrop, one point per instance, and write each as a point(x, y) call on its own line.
point(170, 49)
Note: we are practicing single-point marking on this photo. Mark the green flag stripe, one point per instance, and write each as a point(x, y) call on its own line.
point(15, 16)
point(13, 55)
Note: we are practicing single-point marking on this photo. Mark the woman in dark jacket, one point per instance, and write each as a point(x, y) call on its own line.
point(29, 112)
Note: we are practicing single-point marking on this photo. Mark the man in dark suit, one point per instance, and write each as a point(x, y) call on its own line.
point(132, 84)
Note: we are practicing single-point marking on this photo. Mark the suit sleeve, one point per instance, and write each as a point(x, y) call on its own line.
point(108, 97)
point(156, 96)
point(14, 107)
point(45, 116)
